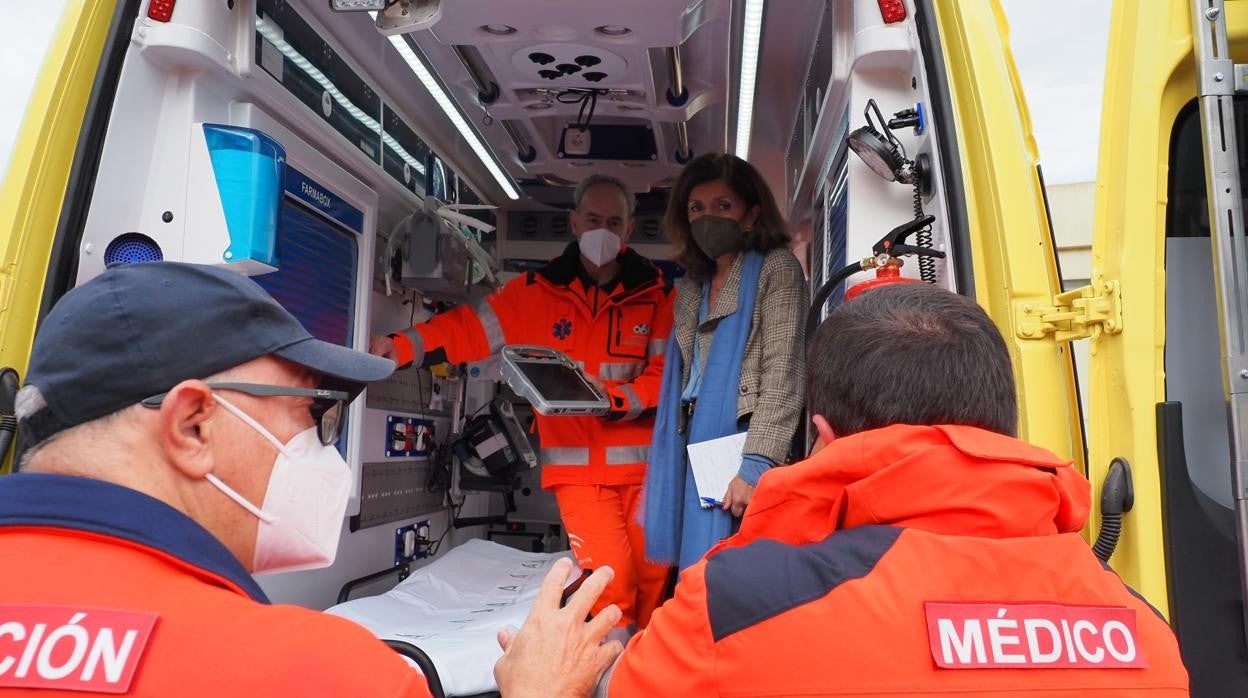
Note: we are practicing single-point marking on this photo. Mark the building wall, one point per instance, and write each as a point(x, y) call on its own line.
point(1070, 207)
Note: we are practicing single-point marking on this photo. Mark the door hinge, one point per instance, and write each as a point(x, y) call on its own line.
point(1081, 313)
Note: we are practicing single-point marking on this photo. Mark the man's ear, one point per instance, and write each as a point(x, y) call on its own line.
point(574, 222)
point(186, 426)
point(824, 433)
point(628, 230)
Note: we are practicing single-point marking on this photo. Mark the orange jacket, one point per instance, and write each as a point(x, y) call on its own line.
point(907, 561)
point(119, 564)
point(618, 334)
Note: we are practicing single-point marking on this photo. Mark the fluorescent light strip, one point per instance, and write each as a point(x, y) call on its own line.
point(452, 112)
point(752, 34)
point(273, 35)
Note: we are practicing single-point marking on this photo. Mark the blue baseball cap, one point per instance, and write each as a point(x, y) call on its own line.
point(138, 330)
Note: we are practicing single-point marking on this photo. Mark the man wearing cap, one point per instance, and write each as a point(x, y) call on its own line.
point(179, 427)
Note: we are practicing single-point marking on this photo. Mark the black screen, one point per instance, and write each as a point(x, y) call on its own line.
point(557, 382)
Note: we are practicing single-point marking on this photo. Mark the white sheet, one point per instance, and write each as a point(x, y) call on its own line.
point(453, 608)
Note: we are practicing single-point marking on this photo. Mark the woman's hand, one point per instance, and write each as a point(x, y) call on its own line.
point(738, 496)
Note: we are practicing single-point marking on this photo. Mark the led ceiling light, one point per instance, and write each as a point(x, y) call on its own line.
point(452, 112)
point(752, 30)
point(356, 5)
point(613, 30)
point(498, 29)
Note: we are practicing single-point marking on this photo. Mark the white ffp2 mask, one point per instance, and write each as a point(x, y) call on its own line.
point(600, 246)
point(301, 518)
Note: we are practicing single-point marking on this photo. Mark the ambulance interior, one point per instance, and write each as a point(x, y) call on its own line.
point(430, 152)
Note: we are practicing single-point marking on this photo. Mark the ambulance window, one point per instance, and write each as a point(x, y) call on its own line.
point(25, 35)
point(1197, 495)
point(1188, 213)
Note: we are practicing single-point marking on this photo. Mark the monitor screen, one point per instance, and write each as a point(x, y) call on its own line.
point(557, 382)
point(315, 280)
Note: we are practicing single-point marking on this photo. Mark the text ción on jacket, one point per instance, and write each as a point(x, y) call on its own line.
point(71, 648)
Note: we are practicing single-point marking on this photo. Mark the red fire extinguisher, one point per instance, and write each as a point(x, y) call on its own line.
point(885, 260)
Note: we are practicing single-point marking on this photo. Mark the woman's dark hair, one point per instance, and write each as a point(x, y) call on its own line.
point(768, 231)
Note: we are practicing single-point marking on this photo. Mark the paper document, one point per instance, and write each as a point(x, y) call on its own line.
point(714, 464)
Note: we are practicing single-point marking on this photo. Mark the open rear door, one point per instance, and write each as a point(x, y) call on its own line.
point(1011, 244)
point(1163, 389)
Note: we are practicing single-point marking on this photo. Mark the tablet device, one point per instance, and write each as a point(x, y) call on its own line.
point(550, 381)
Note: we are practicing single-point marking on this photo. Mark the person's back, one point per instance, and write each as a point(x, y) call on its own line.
point(917, 586)
point(921, 550)
point(201, 625)
point(169, 455)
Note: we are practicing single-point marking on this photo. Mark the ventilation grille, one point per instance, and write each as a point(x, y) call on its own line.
point(129, 248)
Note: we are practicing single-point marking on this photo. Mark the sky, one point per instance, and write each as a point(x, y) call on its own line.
point(24, 36)
point(1059, 48)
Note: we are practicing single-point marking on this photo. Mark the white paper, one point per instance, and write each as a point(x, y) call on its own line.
point(714, 464)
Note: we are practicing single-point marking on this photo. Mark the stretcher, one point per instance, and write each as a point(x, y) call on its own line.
point(445, 616)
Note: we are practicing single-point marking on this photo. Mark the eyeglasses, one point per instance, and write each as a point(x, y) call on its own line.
point(327, 405)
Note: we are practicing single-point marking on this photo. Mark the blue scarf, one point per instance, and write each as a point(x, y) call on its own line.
point(678, 530)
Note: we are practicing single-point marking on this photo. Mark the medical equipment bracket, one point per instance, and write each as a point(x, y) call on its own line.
point(1218, 81)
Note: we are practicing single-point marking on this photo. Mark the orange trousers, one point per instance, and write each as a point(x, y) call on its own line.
point(602, 529)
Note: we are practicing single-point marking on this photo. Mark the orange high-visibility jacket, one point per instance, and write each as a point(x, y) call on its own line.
point(907, 561)
point(106, 589)
point(618, 333)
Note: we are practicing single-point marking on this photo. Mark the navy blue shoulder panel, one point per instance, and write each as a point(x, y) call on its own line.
point(746, 586)
point(63, 501)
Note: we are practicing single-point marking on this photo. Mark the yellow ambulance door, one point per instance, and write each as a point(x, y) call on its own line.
point(48, 178)
point(1158, 399)
point(1010, 241)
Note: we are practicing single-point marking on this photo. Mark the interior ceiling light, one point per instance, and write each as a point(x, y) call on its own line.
point(356, 5)
point(498, 29)
point(613, 30)
point(752, 31)
point(273, 34)
point(539, 106)
point(452, 112)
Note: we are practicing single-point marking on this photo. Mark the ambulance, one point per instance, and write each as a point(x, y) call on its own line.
point(414, 153)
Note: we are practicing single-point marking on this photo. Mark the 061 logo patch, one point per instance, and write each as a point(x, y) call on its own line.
point(563, 329)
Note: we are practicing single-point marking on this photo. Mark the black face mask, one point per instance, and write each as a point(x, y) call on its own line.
point(716, 236)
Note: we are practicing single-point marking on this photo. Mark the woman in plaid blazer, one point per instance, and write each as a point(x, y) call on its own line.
point(739, 326)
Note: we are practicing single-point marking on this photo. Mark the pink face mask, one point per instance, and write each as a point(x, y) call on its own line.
point(301, 517)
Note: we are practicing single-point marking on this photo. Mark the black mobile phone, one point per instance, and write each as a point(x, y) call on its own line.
point(571, 589)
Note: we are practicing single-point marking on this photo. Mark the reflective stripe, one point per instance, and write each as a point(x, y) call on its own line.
point(623, 455)
point(489, 323)
point(621, 371)
point(635, 406)
point(418, 344)
point(565, 456)
point(658, 347)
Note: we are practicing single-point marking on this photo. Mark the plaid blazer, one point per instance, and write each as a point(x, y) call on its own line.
point(773, 371)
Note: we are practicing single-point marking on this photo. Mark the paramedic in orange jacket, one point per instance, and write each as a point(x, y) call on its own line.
point(178, 426)
point(609, 308)
point(922, 549)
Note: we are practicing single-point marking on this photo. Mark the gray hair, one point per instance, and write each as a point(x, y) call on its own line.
point(30, 400)
point(596, 179)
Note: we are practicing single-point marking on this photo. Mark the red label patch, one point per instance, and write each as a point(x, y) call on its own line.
point(1032, 636)
point(71, 648)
